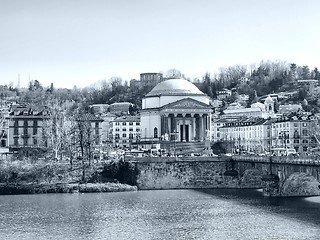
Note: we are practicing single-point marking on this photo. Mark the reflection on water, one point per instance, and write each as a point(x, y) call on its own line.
point(170, 214)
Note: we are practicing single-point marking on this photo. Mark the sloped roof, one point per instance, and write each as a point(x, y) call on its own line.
point(87, 117)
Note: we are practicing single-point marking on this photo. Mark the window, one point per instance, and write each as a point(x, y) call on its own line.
point(305, 148)
point(117, 123)
point(124, 123)
point(124, 135)
point(15, 129)
point(130, 123)
point(138, 124)
point(304, 141)
point(138, 130)
point(117, 136)
point(35, 130)
point(97, 124)
point(295, 141)
point(130, 136)
point(295, 124)
point(117, 129)
point(25, 141)
point(35, 123)
point(155, 132)
point(305, 132)
point(295, 134)
point(35, 142)
point(124, 129)
point(131, 129)
point(16, 141)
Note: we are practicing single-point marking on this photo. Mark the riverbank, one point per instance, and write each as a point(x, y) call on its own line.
point(32, 188)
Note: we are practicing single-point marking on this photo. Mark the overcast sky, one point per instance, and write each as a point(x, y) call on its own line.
point(79, 42)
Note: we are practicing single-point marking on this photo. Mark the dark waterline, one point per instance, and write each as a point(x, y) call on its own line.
point(166, 214)
point(302, 208)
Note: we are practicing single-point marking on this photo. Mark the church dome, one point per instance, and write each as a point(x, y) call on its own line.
point(174, 87)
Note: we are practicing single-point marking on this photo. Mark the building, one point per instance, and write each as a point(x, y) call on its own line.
point(258, 110)
point(290, 108)
point(125, 131)
point(175, 110)
point(120, 108)
point(246, 134)
point(4, 123)
point(99, 108)
point(25, 127)
point(150, 78)
point(106, 126)
point(223, 94)
point(261, 135)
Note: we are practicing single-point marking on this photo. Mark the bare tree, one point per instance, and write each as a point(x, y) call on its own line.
point(173, 73)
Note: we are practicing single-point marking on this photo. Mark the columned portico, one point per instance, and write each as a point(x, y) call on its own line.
point(187, 127)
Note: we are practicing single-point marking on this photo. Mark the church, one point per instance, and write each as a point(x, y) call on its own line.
point(175, 110)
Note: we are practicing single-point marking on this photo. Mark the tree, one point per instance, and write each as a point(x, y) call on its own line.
point(315, 74)
point(305, 72)
point(173, 73)
point(58, 131)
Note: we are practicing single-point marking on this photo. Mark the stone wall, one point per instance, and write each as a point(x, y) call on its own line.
point(210, 172)
point(200, 172)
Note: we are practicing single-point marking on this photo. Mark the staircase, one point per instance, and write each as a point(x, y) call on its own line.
point(185, 148)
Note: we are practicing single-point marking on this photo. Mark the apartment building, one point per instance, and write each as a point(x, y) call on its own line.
point(125, 130)
point(25, 127)
point(261, 135)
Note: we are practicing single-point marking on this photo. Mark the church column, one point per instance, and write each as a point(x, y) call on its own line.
point(204, 126)
point(192, 128)
point(209, 127)
point(174, 127)
point(184, 128)
point(162, 125)
point(200, 127)
point(169, 124)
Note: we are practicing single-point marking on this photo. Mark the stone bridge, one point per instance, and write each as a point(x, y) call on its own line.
point(269, 173)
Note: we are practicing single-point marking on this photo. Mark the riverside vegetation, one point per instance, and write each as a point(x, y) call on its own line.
point(28, 176)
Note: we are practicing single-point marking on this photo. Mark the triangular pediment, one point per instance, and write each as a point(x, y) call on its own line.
point(186, 103)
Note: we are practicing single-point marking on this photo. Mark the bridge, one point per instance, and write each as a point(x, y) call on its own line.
point(241, 171)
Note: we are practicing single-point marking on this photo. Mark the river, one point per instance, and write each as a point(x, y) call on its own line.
point(166, 214)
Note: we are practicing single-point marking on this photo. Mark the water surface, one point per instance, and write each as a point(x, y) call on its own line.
point(166, 214)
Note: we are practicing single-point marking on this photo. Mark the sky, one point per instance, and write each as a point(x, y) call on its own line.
point(80, 42)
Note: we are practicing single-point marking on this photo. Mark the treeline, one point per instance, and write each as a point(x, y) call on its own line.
point(263, 78)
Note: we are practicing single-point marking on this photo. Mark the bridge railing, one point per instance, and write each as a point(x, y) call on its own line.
point(301, 160)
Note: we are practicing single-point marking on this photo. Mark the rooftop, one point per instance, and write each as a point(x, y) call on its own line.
point(177, 86)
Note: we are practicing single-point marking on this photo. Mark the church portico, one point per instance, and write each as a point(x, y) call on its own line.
point(184, 127)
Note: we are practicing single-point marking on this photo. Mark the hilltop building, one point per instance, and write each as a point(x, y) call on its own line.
point(259, 110)
point(150, 78)
point(120, 108)
point(99, 108)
